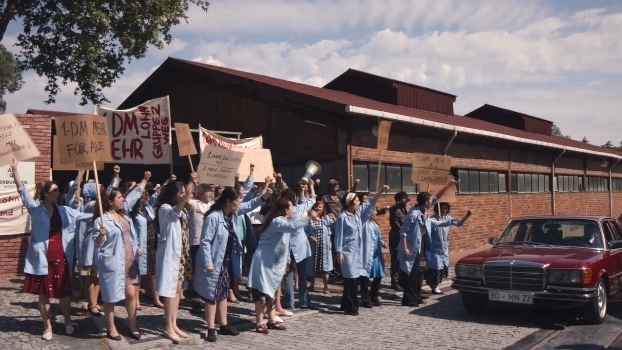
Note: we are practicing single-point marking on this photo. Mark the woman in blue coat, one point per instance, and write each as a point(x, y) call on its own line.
point(168, 270)
point(349, 247)
point(116, 260)
point(218, 258)
point(270, 261)
point(50, 254)
point(437, 246)
point(372, 257)
point(319, 233)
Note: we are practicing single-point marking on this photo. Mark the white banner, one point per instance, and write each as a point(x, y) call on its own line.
point(209, 138)
point(140, 135)
point(14, 218)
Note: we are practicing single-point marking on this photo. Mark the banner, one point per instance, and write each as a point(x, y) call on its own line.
point(14, 218)
point(140, 135)
point(208, 138)
point(14, 141)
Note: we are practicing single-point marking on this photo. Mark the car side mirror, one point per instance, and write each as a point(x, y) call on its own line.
point(494, 240)
point(615, 244)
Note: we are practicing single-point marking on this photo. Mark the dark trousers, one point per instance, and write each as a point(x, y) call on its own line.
point(349, 299)
point(375, 289)
point(394, 240)
point(411, 283)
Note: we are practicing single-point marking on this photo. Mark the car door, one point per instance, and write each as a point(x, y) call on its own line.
point(613, 232)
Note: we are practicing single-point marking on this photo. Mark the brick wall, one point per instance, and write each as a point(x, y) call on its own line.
point(13, 247)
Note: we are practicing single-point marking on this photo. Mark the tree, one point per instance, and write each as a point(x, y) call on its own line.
point(608, 144)
point(585, 140)
point(556, 131)
point(88, 42)
point(10, 76)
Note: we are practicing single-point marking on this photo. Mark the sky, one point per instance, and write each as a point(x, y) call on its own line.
point(559, 60)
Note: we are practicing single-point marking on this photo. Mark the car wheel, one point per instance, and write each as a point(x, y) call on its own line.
point(473, 303)
point(596, 311)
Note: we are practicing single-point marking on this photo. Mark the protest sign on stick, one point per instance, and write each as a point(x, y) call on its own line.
point(185, 143)
point(15, 141)
point(218, 166)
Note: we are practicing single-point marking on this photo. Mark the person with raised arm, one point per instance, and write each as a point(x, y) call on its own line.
point(349, 248)
point(50, 253)
point(218, 259)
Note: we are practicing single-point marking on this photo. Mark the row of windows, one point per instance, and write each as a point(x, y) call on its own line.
point(398, 178)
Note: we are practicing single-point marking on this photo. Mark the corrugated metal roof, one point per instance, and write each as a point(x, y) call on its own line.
point(346, 99)
point(50, 113)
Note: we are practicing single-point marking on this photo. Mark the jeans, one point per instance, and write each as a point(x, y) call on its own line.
point(303, 290)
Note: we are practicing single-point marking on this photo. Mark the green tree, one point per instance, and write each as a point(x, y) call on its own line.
point(585, 140)
point(556, 131)
point(10, 76)
point(608, 144)
point(88, 42)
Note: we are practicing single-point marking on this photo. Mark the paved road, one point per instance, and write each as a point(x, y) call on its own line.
point(441, 324)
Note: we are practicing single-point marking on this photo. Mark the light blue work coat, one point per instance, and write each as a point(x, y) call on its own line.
point(270, 258)
point(299, 244)
point(412, 228)
point(168, 253)
point(372, 247)
point(36, 254)
point(214, 237)
point(349, 240)
point(86, 254)
point(437, 241)
point(140, 225)
point(111, 257)
point(327, 253)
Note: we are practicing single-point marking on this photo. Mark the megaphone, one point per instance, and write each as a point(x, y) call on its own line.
point(313, 168)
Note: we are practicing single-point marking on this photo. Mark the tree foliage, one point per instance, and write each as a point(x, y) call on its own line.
point(585, 140)
point(556, 131)
point(88, 42)
point(10, 76)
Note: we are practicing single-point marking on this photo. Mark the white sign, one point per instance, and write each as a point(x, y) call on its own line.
point(14, 218)
point(140, 135)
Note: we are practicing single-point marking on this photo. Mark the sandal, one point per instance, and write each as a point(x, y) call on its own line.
point(260, 328)
point(94, 310)
point(276, 326)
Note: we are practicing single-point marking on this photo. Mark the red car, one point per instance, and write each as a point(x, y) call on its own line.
point(547, 261)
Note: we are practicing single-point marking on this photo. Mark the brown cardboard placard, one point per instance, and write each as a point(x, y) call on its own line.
point(185, 142)
point(384, 129)
point(82, 138)
point(431, 161)
point(56, 165)
point(262, 158)
point(15, 141)
point(218, 166)
point(449, 196)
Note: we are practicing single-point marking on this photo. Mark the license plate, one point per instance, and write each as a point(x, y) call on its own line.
point(511, 297)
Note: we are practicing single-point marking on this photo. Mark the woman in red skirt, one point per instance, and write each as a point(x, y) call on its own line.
point(50, 254)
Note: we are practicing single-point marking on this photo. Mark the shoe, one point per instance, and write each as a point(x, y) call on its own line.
point(352, 313)
point(135, 335)
point(225, 330)
point(116, 337)
point(260, 328)
point(211, 336)
point(367, 305)
point(276, 326)
point(278, 319)
point(47, 336)
point(171, 336)
point(424, 297)
point(69, 329)
point(285, 313)
point(437, 291)
point(376, 302)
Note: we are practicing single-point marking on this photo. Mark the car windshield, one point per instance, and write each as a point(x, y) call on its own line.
point(553, 232)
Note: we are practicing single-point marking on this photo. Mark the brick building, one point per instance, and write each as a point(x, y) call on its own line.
point(508, 163)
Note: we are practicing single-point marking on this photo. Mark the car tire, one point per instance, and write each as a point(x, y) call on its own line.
point(473, 303)
point(596, 311)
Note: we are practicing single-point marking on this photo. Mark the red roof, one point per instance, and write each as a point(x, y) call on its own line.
point(345, 99)
point(50, 113)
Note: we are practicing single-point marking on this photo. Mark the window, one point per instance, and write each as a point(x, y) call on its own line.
point(480, 181)
point(530, 183)
point(396, 176)
point(616, 185)
point(597, 184)
point(568, 183)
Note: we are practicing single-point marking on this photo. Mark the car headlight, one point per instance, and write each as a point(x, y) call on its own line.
point(469, 271)
point(564, 276)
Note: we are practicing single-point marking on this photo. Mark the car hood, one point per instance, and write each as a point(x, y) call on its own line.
point(556, 257)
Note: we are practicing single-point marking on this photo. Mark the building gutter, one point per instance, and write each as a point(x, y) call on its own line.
point(423, 122)
point(611, 188)
point(553, 204)
point(450, 142)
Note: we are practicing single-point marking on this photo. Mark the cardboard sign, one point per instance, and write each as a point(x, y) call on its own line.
point(185, 143)
point(383, 135)
point(431, 161)
point(218, 166)
point(449, 196)
point(15, 141)
point(82, 138)
point(140, 135)
point(262, 158)
point(56, 165)
point(430, 169)
point(14, 218)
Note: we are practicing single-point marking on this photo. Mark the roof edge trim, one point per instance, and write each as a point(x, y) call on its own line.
point(419, 121)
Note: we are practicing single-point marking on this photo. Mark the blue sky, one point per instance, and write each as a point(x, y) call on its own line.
point(559, 60)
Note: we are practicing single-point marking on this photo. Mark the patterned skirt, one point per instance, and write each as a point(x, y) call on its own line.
point(56, 284)
point(265, 299)
point(152, 248)
point(185, 262)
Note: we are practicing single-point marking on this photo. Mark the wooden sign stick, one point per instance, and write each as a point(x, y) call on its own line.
point(191, 166)
point(378, 177)
point(86, 179)
point(99, 197)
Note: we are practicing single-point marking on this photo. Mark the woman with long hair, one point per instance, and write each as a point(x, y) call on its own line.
point(116, 261)
point(349, 247)
point(169, 270)
point(50, 253)
point(218, 258)
point(270, 262)
point(319, 233)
